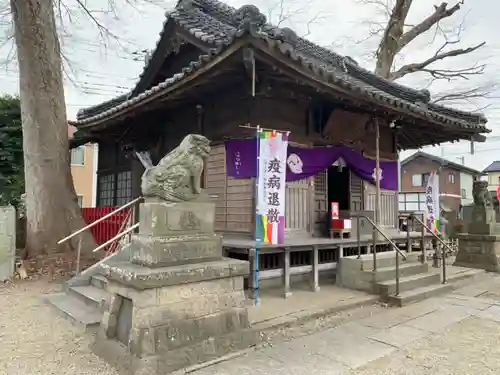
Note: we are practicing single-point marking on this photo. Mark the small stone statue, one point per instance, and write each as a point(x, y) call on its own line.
point(481, 194)
point(177, 176)
point(483, 214)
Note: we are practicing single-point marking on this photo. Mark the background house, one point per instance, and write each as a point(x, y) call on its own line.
point(492, 171)
point(455, 183)
point(84, 171)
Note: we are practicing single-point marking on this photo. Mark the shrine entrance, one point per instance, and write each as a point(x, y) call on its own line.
point(338, 187)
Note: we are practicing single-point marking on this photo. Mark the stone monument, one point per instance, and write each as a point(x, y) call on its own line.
point(480, 246)
point(7, 242)
point(178, 301)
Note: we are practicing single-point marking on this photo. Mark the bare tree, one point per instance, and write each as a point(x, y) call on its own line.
point(52, 208)
point(395, 34)
point(390, 35)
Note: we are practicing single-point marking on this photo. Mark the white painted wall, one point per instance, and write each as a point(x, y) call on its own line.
point(466, 181)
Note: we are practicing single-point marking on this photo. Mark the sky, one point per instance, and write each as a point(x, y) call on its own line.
point(100, 66)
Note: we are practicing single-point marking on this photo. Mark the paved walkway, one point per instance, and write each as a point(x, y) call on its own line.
point(454, 334)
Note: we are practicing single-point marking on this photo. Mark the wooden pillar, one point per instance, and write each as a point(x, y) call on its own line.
point(422, 242)
point(251, 277)
point(315, 270)
point(286, 273)
point(408, 236)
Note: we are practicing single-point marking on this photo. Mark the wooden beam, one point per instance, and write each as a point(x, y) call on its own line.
point(265, 54)
point(177, 88)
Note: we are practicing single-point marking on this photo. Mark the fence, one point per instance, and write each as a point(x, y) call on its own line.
point(108, 228)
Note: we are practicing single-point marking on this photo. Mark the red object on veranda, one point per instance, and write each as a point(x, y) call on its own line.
point(498, 193)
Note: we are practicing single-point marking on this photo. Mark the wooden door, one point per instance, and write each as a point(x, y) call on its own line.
point(320, 203)
point(297, 206)
point(388, 212)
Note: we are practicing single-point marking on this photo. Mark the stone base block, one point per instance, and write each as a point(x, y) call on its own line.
point(163, 319)
point(478, 251)
point(167, 362)
point(140, 277)
point(162, 251)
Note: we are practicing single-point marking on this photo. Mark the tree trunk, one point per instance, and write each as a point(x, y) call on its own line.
point(51, 204)
point(389, 45)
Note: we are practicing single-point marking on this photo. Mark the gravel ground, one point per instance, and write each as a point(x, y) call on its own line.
point(35, 340)
point(471, 347)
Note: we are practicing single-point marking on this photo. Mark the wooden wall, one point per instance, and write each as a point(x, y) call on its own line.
point(234, 197)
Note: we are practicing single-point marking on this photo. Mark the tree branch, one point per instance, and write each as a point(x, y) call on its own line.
point(440, 12)
point(439, 55)
point(467, 95)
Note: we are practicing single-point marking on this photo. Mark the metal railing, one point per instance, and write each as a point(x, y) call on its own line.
point(437, 237)
point(376, 229)
point(87, 227)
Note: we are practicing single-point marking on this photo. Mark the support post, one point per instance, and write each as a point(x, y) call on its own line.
point(315, 270)
point(443, 259)
point(78, 254)
point(252, 286)
point(286, 273)
point(422, 243)
point(377, 191)
point(377, 173)
point(358, 236)
point(408, 235)
point(374, 248)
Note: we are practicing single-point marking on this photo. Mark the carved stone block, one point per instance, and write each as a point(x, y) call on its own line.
point(158, 218)
point(162, 251)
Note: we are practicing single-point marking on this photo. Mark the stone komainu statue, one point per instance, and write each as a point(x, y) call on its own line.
point(481, 194)
point(177, 176)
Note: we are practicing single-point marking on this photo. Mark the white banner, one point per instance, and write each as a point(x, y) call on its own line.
point(432, 208)
point(272, 186)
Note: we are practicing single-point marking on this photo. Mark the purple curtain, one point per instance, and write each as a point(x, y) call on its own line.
point(241, 162)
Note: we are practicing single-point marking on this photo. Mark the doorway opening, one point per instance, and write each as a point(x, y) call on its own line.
point(339, 187)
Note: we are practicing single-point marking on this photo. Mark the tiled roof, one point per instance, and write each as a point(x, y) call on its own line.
point(214, 23)
point(493, 167)
point(441, 161)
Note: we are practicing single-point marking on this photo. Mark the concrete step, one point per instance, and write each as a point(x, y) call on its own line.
point(77, 312)
point(387, 259)
point(89, 294)
point(419, 294)
point(388, 288)
point(99, 281)
point(405, 269)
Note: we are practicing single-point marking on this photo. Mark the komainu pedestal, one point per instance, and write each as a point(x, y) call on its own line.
point(480, 247)
point(177, 302)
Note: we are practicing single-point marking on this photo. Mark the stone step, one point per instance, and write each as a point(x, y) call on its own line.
point(99, 281)
point(388, 287)
point(405, 269)
point(419, 294)
point(386, 259)
point(89, 294)
point(77, 312)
